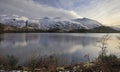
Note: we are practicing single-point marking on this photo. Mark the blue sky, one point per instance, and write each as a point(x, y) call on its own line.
point(64, 4)
point(104, 11)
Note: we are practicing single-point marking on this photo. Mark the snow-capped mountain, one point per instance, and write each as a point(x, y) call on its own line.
point(88, 22)
point(33, 24)
point(18, 21)
point(59, 23)
point(49, 23)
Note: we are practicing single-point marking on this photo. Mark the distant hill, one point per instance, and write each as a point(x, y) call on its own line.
point(103, 29)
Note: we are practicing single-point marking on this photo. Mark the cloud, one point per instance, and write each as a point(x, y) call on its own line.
point(105, 11)
point(33, 10)
point(53, 3)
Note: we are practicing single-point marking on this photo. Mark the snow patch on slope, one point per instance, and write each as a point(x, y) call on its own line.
point(88, 22)
point(60, 23)
point(18, 21)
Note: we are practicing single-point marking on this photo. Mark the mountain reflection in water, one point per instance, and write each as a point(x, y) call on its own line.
point(73, 46)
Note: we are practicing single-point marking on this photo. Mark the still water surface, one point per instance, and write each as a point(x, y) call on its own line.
point(73, 46)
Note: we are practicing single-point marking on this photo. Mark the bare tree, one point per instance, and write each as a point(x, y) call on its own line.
point(103, 45)
point(87, 56)
point(118, 37)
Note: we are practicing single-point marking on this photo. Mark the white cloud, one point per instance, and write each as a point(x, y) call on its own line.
point(105, 11)
point(31, 9)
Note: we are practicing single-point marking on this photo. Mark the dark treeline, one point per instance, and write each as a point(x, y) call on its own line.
point(13, 29)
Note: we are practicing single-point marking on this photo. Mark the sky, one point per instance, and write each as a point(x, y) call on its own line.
point(106, 12)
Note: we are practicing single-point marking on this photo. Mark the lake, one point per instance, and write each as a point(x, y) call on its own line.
point(72, 46)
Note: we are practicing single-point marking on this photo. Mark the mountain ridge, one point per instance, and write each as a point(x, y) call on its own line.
point(46, 24)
